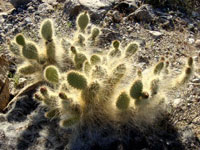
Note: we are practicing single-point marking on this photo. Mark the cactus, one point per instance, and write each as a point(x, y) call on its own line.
point(190, 61)
point(14, 48)
point(95, 59)
point(82, 21)
point(47, 30)
point(81, 39)
point(77, 80)
point(158, 68)
point(20, 40)
point(116, 44)
point(87, 67)
point(51, 52)
point(27, 70)
point(79, 60)
point(52, 113)
point(30, 51)
point(154, 86)
point(95, 33)
point(84, 92)
point(123, 101)
point(136, 89)
point(51, 74)
point(69, 122)
point(131, 49)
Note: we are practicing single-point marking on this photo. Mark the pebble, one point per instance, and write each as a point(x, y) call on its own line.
point(191, 40)
point(197, 43)
point(156, 34)
point(28, 20)
point(176, 102)
point(196, 80)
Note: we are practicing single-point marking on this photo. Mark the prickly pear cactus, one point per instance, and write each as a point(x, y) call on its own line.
point(97, 86)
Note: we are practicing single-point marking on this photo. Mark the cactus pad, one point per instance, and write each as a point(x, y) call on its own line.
point(29, 51)
point(79, 60)
point(69, 122)
point(14, 48)
point(51, 74)
point(27, 70)
point(116, 44)
point(123, 101)
point(136, 89)
point(95, 59)
point(82, 21)
point(46, 30)
point(131, 49)
point(77, 80)
point(20, 40)
point(158, 68)
point(51, 52)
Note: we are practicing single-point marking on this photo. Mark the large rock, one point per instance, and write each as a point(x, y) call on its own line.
point(17, 3)
point(96, 8)
point(144, 13)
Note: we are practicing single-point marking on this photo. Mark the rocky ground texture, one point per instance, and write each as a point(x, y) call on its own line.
point(160, 32)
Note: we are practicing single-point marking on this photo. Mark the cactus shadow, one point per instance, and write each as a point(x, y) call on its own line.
point(41, 133)
point(160, 136)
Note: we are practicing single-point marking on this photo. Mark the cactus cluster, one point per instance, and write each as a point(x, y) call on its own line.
point(97, 85)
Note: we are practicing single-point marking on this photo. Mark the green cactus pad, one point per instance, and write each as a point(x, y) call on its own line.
point(52, 113)
point(14, 48)
point(82, 21)
point(89, 94)
point(95, 33)
point(190, 61)
point(95, 59)
point(51, 52)
point(28, 70)
point(77, 80)
point(81, 39)
point(115, 53)
point(136, 89)
point(119, 71)
point(158, 68)
point(46, 30)
point(154, 86)
point(69, 122)
point(87, 67)
point(20, 39)
point(123, 101)
point(30, 51)
point(79, 60)
point(131, 49)
point(51, 74)
point(116, 44)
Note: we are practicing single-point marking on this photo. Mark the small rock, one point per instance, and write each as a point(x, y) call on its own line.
point(30, 9)
point(18, 3)
point(176, 102)
point(196, 80)
point(156, 34)
point(191, 40)
point(45, 7)
point(21, 82)
point(28, 20)
point(116, 16)
point(197, 43)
